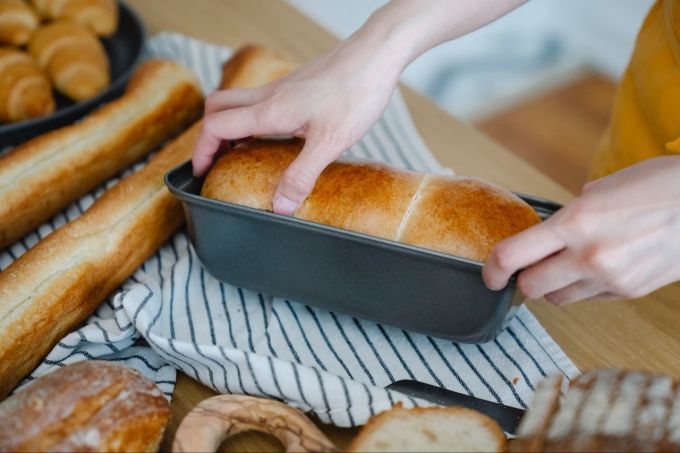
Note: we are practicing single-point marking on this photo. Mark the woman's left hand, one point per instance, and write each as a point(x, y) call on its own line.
point(619, 239)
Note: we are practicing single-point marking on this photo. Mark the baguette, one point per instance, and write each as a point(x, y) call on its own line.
point(458, 215)
point(25, 90)
point(55, 285)
point(44, 175)
point(87, 406)
point(17, 22)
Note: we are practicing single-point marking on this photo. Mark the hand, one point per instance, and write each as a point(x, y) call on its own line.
point(335, 99)
point(619, 239)
point(331, 102)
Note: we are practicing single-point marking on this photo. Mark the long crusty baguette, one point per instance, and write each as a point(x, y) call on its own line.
point(86, 406)
point(55, 285)
point(44, 175)
point(458, 215)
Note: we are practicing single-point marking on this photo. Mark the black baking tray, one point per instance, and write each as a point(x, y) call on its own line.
point(124, 50)
point(372, 278)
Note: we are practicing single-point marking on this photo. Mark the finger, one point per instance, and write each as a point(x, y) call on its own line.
point(550, 275)
point(518, 251)
point(590, 185)
point(235, 97)
point(576, 291)
point(605, 296)
point(298, 180)
point(230, 125)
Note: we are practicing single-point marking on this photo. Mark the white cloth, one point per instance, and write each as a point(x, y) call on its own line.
point(239, 341)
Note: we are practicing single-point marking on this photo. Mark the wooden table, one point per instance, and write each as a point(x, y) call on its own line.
point(641, 334)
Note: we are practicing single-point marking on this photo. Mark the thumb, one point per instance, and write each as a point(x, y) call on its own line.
point(587, 187)
point(298, 180)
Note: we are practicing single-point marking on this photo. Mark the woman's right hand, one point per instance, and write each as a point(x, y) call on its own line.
point(331, 102)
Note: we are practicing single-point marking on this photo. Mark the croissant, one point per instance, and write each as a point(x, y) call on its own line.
point(25, 90)
point(17, 22)
point(73, 57)
point(100, 15)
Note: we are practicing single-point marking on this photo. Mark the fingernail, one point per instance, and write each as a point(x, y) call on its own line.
point(283, 205)
point(494, 286)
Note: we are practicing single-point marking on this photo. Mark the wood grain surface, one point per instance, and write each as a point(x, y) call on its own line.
point(640, 334)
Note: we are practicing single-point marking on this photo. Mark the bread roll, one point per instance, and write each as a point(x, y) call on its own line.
point(87, 406)
point(17, 22)
point(220, 417)
point(99, 15)
point(54, 286)
point(458, 215)
point(47, 173)
point(429, 429)
point(73, 57)
point(25, 90)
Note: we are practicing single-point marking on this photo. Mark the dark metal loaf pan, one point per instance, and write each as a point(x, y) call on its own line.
point(367, 277)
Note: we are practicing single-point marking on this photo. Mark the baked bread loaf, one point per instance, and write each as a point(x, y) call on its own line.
point(606, 410)
point(18, 21)
point(254, 65)
point(99, 15)
point(215, 419)
point(73, 57)
point(452, 214)
point(429, 429)
point(87, 406)
point(54, 286)
point(25, 90)
point(37, 178)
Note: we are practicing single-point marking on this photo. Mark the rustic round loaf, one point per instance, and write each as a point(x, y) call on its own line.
point(87, 406)
point(458, 215)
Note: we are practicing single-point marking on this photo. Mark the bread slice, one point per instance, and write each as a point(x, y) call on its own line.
point(604, 410)
point(429, 429)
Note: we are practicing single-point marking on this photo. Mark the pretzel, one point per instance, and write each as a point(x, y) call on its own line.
point(217, 418)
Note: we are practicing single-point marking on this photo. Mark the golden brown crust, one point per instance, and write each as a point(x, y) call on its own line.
point(87, 406)
point(375, 423)
point(99, 15)
point(54, 286)
point(461, 216)
point(465, 216)
point(73, 57)
point(254, 65)
point(18, 21)
point(25, 90)
point(37, 178)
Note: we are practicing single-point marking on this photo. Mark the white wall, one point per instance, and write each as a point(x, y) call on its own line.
point(535, 46)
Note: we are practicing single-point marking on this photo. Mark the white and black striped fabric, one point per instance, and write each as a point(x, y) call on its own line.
point(239, 341)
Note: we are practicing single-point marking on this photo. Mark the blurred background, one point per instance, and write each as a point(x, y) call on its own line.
point(540, 80)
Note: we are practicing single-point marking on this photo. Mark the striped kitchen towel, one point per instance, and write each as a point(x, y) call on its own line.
point(239, 341)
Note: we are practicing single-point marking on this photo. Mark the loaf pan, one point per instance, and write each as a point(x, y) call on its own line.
point(371, 278)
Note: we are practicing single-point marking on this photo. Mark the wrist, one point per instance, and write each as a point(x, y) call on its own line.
point(380, 49)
